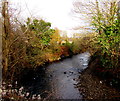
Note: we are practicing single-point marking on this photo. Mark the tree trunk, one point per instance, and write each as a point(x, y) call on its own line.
point(5, 34)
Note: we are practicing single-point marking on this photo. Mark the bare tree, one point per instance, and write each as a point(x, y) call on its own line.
point(96, 12)
point(13, 42)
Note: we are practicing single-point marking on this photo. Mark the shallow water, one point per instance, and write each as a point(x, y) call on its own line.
point(59, 78)
point(64, 75)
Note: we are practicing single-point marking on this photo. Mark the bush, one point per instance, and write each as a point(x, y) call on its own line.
point(109, 42)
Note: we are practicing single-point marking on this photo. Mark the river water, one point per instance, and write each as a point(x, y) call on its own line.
point(58, 80)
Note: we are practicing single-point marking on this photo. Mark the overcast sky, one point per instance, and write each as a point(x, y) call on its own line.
point(58, 12)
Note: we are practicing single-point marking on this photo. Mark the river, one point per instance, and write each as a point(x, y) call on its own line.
point(58, 80)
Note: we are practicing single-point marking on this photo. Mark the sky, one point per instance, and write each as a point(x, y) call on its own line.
point(58, 12)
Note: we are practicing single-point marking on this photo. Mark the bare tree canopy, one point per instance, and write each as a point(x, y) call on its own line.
point(101, 12)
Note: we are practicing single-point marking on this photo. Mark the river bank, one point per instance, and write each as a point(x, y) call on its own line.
point(94, 84)
point(70, 78)
point(52, 81)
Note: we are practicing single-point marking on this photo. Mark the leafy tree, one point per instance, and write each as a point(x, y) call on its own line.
point(41, 29)
point(103, 16)
point(108, 28)
point(38, 36)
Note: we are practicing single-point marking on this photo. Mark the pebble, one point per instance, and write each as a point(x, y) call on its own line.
point(74, 79)
point(38, 97)
point(10, 85)
point(12, 98)
point(27, 94)
point(22, 95)
point(33, 97)
point(50, 75)
point(3, 83)
point(16, 83)
point(100, 81)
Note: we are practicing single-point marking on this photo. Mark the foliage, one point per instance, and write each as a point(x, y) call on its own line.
point(41, 29)
point(104, 19)
point(109, 42)
point(33, 43)
point(84, 42)
point(38, 37)
point(108, 28)
point(54, 47)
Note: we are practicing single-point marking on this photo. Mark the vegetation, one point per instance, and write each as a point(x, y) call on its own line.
point(34, 43)
point(108, 27)
point(37, 40)
point(109, 42)
point(104, 19)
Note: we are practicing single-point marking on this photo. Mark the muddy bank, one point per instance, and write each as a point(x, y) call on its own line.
point(95, 84)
